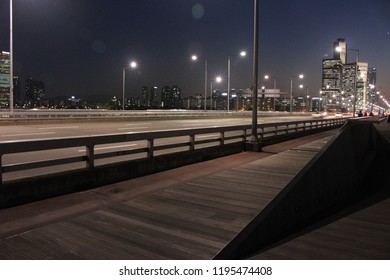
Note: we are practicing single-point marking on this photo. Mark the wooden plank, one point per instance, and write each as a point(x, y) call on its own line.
point(361, 235)
point(192, 220)
point(151, 238)
point(11, 252)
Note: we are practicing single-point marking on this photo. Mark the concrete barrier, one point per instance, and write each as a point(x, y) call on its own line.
point(335, 176)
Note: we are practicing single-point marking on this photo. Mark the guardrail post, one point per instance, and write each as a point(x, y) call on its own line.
point(150, 148)
point(90, 156)
point(192, 142)
point(262, 133)
point(221, 138)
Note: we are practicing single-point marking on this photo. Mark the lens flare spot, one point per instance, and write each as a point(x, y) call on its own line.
point(198, 11)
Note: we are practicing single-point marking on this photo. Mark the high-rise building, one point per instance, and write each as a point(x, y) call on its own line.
point(340, 50)
point(176, 97)
point(171, 97)
point(362, 86)
point(17, 91)
point(35, 91)
point(332, 83)
point(343, 81)
point(145, 97)
point(373, 96)
point(154, 97)
point(166, 97)
point(4, 79)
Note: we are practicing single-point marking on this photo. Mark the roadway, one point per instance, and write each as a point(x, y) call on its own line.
point(58, 129)
point(77, 128)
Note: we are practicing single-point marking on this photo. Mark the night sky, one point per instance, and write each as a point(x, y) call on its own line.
point(79, 47)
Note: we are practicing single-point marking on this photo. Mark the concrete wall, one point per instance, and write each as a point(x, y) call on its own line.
point(335, 176)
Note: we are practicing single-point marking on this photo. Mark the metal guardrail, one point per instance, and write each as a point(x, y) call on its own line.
point(194, 139)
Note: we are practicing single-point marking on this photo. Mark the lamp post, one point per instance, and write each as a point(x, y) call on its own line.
point(242, 54)
point(195, 58)
point(291, 90)
point(267, 77)
point(133, 65)
point(11, 57)
point(254, 143)
point(218, 80)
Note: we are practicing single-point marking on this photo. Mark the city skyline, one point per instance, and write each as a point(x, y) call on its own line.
point(79, 48)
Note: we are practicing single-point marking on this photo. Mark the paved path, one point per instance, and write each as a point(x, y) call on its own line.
point(186, 213)
point(362, 231)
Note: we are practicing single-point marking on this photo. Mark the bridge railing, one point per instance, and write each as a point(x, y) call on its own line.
point(149, 144)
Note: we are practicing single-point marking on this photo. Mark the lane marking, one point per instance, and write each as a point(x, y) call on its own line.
point(28, 134)
point(57, 127)
point(130, 124)
point(126, 128)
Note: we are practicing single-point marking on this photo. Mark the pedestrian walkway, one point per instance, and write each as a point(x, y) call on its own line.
point(361, 231)
point(186, 213)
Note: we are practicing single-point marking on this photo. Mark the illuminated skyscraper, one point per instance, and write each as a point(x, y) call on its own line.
point(35, 91)
point(340, 80)
point(340, 50)
point(145, 97)
point(4, 79)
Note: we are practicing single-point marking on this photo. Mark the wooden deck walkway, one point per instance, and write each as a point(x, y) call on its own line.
point(186, 213)
point(361, 231)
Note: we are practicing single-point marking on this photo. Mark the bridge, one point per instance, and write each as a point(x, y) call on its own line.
point(219, 208)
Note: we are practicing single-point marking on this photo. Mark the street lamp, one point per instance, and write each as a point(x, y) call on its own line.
point(242, 54)
point(267, 77)
point(195, 58)
point(132, 65)
point(254, 143)
point(218, 80)
point(291, 90)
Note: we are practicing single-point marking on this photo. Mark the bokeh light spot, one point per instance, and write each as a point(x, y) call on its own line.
point(197, 11)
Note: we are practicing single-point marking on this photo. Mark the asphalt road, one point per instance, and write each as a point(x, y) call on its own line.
point(72, 129)
point(69, 129)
